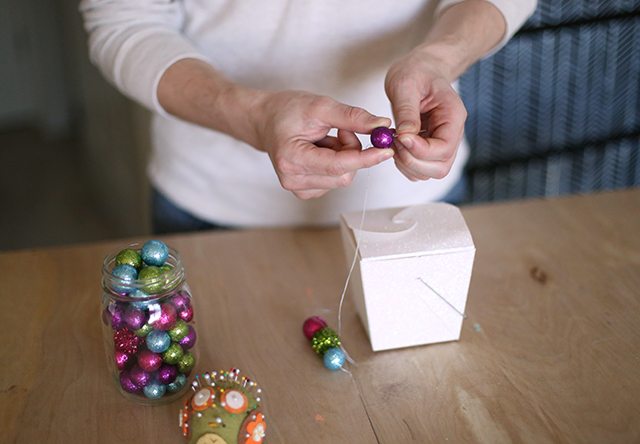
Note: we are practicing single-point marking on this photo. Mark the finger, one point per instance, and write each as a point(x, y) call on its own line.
point(420, 169)
point(351, 118)
point(310, 194)
point(405, 104)
point(349, 140)
point(329, 142)
point(322, 161)
point(405, 172)
point(316, 182)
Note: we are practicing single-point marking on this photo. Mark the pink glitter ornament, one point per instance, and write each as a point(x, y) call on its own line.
point(122, 359)
point(127, 384)
point(312, 325)
point(187, 314)
point(124, 340)
point(166, 319)
point(139, 376)
point(149, 361)
point(167, 374)
point(190, 340)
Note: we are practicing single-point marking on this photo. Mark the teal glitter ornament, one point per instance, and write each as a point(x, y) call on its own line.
point(154, 391)
point(158, 341)
point(173, 354)
point(143, 331)
point(130, 257)
point(139, 294)
point(334, 359)
point(125, 275)
point(177, 385)
point(325, 339)
point(186, 363)
point(152, 279)
point(179, 331)
point(154, 252)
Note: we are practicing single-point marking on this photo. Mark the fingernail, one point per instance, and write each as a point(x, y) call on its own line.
point(386, 154)
point(406, 141)
point(405, 128)
point(382, 121)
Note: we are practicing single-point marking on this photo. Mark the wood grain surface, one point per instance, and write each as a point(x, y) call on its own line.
point(550, 350)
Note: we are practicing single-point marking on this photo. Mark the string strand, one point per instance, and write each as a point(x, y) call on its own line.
point(353, 264)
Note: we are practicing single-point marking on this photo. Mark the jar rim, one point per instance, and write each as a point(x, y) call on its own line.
point(170, 280)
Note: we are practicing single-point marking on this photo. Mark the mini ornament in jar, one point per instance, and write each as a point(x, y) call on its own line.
point(224, 408)
point(148, 322)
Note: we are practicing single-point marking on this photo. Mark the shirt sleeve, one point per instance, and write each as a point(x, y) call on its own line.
point(134, 42)
point(515, 13)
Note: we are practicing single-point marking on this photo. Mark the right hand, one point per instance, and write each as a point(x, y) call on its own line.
point(292, 128)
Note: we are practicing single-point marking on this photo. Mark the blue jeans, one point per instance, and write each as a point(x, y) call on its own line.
point(168, 218)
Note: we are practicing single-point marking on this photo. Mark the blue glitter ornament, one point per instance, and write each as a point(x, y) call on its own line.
point(154, 391)
point(139, 294)
point(177, 385)
point(126, 274)
point(334, 358)
point(158, 341)
point(154, 252)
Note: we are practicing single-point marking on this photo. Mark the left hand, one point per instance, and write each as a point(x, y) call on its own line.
point(422, 99)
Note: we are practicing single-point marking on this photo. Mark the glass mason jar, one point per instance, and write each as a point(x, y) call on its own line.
point(148, 325)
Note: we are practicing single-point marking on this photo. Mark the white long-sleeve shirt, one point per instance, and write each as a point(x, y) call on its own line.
point(338, 48)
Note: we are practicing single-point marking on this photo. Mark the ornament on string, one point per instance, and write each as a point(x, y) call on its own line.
point(224, 407)
point(325, 342)
point(383, 137)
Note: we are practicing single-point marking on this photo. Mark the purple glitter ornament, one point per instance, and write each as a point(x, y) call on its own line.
point(127, 384)
point(116, 312)
point(167, 374)
point(181, 301)
point(139, 377)
point(134, 318)
point(122, 359)
point(190, 340)
point(382, 137)
point(186, 314)
point(166, 319)
point(149, 361)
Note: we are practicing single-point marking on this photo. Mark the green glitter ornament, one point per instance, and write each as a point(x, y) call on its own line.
point(153, 279)
point(186, 363)
point(166, 268)
point(179, 331)
point(144, 330)
point(173, 354)
point(129, 257)
point(324, 339)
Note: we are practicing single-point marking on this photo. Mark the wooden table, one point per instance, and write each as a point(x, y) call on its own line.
point(550, 351)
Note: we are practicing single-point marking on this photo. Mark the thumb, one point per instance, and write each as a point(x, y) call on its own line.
point(406, 110)
point(353, 118)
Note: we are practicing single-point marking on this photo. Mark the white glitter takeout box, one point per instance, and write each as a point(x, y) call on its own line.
point(412, 273)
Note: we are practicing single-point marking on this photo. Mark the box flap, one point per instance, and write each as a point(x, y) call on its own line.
point(393, 233)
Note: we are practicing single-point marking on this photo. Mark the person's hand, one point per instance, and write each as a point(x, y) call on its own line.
point(429, 116)
point(293, 126)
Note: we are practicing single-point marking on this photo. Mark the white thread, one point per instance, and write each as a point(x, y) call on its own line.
point(353, 264)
